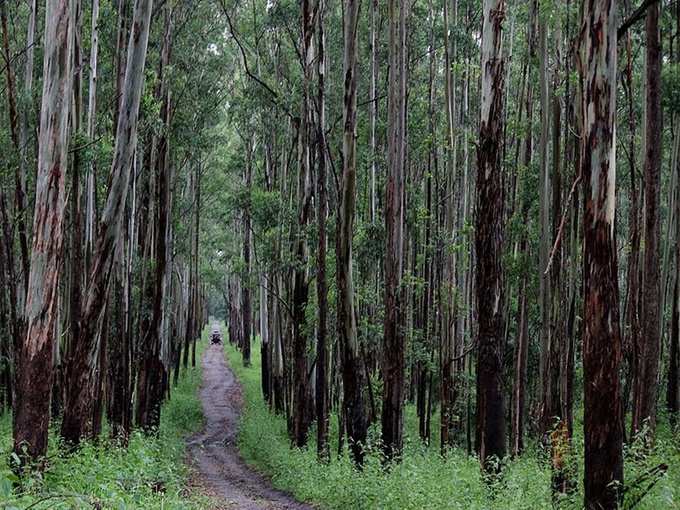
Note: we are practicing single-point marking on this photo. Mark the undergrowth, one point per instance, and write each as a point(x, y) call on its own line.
point(424, 479)
point(149, 474)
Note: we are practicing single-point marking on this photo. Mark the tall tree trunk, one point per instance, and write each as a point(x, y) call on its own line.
point(322, 393)
point(112, 215)
point(648, 367)
point(353, 375)
point(153, 364)
point(545, 368)
point(90, 197)
point(75, 362)
point(247, 307)
point(394, 341)
point(301, 389)
point(631, 342)
point(603, 427)
point(519, 388)
point(34, 380)
point(490, 432)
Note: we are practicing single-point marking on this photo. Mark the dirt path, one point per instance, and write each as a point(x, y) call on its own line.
point(214, 452)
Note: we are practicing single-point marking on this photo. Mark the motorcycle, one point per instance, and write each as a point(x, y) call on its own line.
point(216, 338)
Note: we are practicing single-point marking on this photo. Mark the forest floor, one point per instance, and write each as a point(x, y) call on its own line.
point(213, 452)
point(425, 480)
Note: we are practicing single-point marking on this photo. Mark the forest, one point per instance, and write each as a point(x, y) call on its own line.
point(296, 254)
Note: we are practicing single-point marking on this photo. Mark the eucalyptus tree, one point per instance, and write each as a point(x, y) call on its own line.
point(649, 344)
point(353, 375)
point(34, 357)
point(76, 414)
point(490, 415)
point(603, 424)
point(393, 369)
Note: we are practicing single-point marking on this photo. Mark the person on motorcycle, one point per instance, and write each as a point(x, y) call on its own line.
point(216, 337)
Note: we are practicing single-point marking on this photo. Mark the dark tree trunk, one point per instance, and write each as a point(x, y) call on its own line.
point(603, 427)
point(644, 410)
point(353, 375)
point(112, 216)
point(322, 394)
point(490, 431)
point(673, 385)
point(301, 390)
point(100, 375)
point(34, 375)
point(247, 308)
point(394, 342)
point(119, 402)
point(153, 369)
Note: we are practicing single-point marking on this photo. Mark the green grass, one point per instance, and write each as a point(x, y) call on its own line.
point(424, 480)
point(149, 474)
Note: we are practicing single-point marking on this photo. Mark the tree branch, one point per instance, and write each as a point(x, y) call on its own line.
point(635, 16)
point(252, 76)
point(560, 231)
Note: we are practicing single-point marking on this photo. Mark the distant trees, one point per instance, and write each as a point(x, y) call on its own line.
point(483, 289)
point(336, 215)
point(107, 300)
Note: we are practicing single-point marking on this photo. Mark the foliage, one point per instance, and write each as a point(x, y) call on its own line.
point(148, 474)
point(424, 479)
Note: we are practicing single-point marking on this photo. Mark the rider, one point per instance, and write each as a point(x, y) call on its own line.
point(216, 336)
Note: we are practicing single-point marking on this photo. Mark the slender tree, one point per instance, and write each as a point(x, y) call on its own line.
point(322, 390)
point(645, 394)
point(394, 341)
point(112, 217)
point(353, 376)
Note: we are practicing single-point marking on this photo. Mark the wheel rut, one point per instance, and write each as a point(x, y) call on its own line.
point(214, 453)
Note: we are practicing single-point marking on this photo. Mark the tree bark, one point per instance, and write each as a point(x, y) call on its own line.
point(603, 427)
point(322, 392)
point(301, 388)
point(34, 380)
point(112, 215)
point(247, 307)
point(490, 431)
point(353, 376)
point(153, 363)
point(394, 342)
point(648, 366)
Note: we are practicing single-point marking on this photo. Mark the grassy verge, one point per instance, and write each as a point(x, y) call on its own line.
point(149, 474)
point(424, 480)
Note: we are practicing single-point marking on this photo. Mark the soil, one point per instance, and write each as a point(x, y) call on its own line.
point(220, 471)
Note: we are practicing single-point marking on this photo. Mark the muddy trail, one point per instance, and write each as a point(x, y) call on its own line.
point(214, 453)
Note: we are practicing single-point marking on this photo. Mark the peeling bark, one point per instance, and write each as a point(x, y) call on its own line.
point(34, 381)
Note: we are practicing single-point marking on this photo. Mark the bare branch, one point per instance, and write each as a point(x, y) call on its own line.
point(634, 17)
point(560, 232)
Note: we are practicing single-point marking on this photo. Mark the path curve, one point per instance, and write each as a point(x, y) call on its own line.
point(214, 451)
